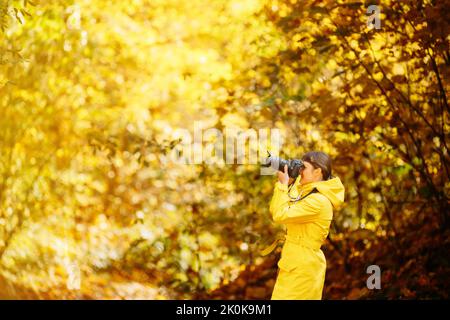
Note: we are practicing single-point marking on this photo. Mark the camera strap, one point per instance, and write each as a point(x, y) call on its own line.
point(314, 190)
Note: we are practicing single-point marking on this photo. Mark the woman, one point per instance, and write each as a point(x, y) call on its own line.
point(306, 208)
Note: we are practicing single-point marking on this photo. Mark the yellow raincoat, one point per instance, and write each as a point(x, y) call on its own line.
point(302, 265)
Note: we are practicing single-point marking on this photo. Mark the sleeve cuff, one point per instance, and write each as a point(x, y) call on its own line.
point(281, 186)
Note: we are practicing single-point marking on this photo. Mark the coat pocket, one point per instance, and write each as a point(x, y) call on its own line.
point(287, 264)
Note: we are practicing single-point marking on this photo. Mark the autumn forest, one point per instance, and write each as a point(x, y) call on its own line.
point(94, 95)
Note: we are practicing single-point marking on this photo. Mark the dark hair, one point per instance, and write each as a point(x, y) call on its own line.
point(320, 160)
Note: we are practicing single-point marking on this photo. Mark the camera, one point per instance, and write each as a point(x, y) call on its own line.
point(295, 166)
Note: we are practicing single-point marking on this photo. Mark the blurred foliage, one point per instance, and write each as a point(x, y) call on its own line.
point(91, 97)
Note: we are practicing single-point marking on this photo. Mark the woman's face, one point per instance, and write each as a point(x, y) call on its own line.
point(310, 174)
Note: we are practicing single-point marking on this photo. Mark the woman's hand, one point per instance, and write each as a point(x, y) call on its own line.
point(283, 177)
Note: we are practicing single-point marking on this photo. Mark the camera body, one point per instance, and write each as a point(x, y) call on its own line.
point(295, 166)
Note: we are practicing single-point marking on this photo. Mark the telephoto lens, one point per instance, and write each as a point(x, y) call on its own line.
point(295, 166)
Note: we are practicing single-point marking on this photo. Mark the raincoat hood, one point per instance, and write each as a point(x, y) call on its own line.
point(332, 188)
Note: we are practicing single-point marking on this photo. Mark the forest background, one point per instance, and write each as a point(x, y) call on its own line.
point(93, 92)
